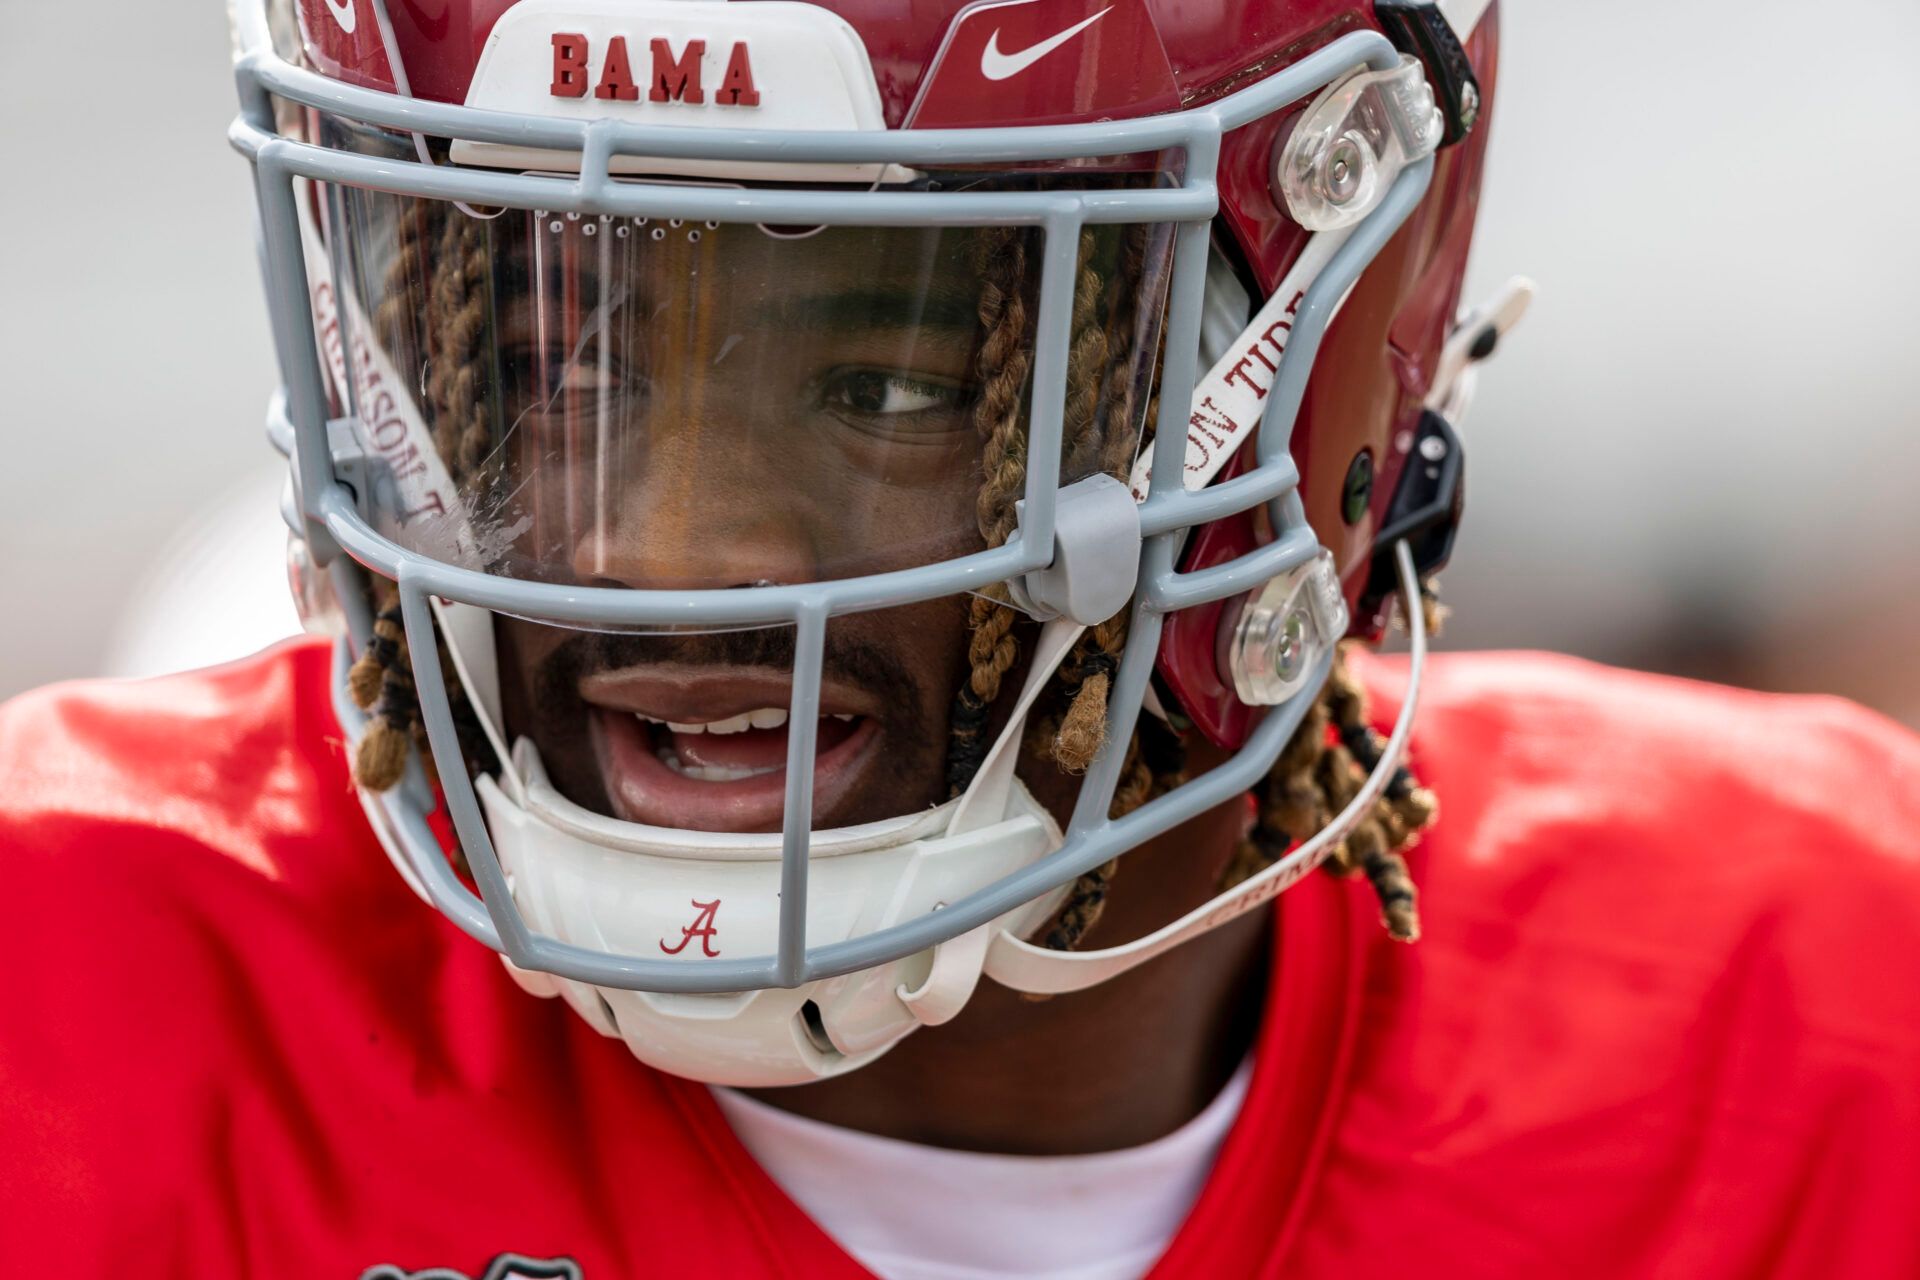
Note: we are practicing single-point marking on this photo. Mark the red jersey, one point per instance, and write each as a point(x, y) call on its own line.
point(1663, 1020)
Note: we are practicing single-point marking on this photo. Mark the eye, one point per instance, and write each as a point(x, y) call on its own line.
point(587, 377)
point(557, 377)
point(883, 393)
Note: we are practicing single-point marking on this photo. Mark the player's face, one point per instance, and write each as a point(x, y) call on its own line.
point(730, 410)
point(689, 407)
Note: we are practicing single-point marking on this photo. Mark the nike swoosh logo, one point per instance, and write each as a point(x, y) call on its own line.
point(995, 65)
point(342, 11)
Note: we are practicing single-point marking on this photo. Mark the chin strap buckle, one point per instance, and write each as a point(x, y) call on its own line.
point(1425, 511)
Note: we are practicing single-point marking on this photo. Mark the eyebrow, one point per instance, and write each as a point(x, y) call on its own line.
point(935, 308)
point(944, 305)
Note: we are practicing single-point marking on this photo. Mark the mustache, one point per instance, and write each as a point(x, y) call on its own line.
point(845, 658)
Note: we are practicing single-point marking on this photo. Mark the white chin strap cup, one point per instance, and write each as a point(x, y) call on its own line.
point(592, 880)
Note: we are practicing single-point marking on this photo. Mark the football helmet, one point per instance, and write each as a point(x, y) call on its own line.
point(903, 304)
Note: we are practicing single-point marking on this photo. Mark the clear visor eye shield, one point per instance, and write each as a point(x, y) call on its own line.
point(529, 531)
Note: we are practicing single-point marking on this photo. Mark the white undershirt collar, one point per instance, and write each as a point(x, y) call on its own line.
point(913, 1212)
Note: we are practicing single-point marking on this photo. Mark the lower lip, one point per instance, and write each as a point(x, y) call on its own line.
point(644, 789)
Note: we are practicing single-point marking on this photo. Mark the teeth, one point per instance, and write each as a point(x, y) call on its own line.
point(759, 718)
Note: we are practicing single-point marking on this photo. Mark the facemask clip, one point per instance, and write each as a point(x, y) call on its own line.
point(1281, 632)
point(1337, 164)
point(1096, 555)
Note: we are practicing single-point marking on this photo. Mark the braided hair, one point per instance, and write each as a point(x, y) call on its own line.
point(381, 680)
point(1317, 774)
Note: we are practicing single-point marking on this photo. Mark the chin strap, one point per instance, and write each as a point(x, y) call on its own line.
point(958, 962)
point(985, 800)
point(1024, 967)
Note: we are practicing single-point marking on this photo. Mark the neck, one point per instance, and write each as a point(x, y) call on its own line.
point(1115, 1066)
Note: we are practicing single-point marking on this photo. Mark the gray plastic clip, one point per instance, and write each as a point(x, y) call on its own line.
point(1096, 555)
point(349, 457)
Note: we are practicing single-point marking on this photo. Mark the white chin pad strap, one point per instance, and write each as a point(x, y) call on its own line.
point(467, 632)
point(958, 962)
point(1015, 963)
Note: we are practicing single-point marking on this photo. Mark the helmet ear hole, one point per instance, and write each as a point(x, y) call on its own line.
point(813, 1029)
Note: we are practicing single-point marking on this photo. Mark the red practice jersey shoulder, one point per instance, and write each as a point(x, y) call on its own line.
point(1660, 1022)
point(235, 1044)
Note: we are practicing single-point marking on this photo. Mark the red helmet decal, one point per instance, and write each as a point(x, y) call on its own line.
point(675, 77)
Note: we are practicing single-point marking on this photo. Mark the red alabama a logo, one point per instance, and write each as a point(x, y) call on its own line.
point(702, 928)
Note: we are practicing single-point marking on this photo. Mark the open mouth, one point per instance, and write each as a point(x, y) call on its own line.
point(708, 751)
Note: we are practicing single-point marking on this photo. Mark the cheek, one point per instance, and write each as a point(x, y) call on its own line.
point(520, 648)
point(935, 650)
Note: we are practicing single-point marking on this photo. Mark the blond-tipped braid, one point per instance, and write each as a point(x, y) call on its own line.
point(381, 683)
point(1087, 354)
point(461, 308)
point(1318, 776)
point(1002, 367)
point(991, 653)
point(1156, 758)
point(1088, 673)
point(1404, 809)
point(448, 288)
point(1006, 357)
point(381, 679)
point(1004, 362)
point(1099, 363)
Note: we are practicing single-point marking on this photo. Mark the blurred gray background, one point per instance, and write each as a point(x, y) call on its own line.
point(1700, 454)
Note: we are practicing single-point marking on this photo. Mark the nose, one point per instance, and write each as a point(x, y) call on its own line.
point(695, 492)
point(669, 533)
